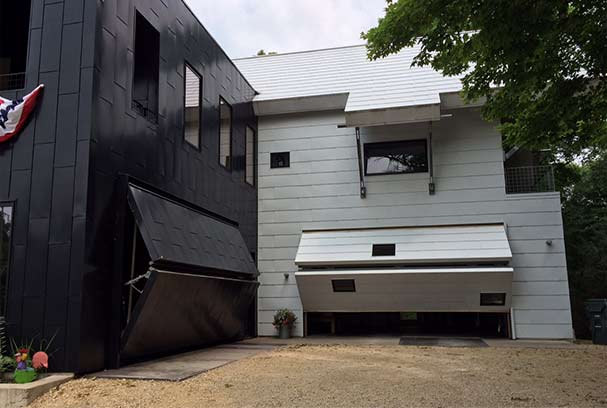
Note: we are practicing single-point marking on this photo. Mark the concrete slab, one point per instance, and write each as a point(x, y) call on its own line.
point(442, 341)
point(186, 365)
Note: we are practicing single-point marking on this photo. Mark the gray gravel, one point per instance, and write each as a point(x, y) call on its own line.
point(368, 376)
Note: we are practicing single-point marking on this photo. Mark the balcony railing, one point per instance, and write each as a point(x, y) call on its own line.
point(9, 82)
point(531, 179)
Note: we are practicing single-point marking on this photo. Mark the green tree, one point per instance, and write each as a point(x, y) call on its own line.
point(585, 222)
point(549, 58)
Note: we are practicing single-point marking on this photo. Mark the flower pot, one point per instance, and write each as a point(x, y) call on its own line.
point(24, 376)
point(284, 332)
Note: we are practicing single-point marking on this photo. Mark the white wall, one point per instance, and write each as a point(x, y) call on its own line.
point(321, 190)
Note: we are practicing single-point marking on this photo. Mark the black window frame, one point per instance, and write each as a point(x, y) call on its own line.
point(231, 160)
point(501, 301)
point(4, 296)
point(247, 127)
point(16, 80)
point(145, 112)
point(349, 285)
point(383, 250)
point(368, 146)
point(186, 66)
point(272, 161)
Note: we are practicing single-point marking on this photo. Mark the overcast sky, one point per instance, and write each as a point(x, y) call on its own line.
point(243, 27)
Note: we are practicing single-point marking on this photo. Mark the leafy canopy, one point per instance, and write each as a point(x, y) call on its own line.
point(549, 58)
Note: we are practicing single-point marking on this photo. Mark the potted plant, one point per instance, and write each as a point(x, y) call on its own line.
point(284, 319)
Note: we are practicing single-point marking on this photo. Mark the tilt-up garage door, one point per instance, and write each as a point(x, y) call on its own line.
point(200, 284)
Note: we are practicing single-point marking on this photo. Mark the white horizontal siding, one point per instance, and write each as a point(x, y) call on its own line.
point(320, 191)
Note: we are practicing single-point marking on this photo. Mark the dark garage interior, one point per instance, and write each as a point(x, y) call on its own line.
point(493, 325)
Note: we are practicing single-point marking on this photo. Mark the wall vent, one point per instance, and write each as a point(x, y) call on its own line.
point(384, 250)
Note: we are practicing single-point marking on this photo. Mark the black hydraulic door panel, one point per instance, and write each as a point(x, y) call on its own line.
point(180, 311)
point(175, 233)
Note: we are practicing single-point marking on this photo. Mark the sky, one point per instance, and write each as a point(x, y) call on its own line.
point(243, 27)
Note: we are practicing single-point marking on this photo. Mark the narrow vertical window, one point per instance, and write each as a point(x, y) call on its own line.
point(192, 113)
point(225, 134)
point(147, 69)
point(250, 156)
point(6, 222)
point(14, 32)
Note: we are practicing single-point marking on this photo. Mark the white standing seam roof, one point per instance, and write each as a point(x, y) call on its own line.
point(444, 245)
point(386, 83)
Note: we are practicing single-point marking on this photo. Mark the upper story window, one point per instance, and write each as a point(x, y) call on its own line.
point(6, 222)
point(407, 156)
point(193, 104)
point(14, 30)
point(225, 134)
point(249, 174)
point(147, 69)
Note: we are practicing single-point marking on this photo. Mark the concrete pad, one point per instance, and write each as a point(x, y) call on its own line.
point(186, 365)
point(322, 340)
point(21, 395)
point(442, 341)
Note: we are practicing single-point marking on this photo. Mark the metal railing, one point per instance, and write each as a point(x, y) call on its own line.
point(10, 82)
point(530, 179)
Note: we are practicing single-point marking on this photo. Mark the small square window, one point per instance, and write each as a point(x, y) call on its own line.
point(493, 299)
point(343, 285)
point(407, 156)
point(384, 250)
point(279, 160)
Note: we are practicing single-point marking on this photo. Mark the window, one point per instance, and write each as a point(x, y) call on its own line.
point(225, 134)
point(343, 285)
point(384, 250)
point(193, 99)
point(249, 173)
point(409, 156)
point(493, 299)
point(147, 65)
point(14, 30)
point(279, 160)
point(6, 218)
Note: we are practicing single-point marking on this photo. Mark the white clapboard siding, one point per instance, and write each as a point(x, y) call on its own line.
point(320, 191)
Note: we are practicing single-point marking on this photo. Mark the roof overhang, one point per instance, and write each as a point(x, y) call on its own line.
point(368, 117)
point(392, 116)
point(301, 104)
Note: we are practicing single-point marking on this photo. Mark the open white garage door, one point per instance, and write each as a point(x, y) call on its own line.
point(423, 269)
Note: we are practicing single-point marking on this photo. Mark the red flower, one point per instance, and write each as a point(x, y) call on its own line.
point(23, 350)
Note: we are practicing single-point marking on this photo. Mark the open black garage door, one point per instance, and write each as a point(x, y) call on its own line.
point(198, 287)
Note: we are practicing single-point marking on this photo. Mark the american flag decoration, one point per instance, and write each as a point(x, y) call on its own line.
point(14, 114)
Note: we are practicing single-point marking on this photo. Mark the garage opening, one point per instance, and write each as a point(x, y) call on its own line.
point(492, 325)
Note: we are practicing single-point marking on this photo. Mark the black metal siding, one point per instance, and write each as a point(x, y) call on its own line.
point(62, 170)
point(124, 142)
point(43, 170)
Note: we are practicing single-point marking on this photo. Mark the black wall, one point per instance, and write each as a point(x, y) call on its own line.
point(62, 172)
point(125, 142)
point(43, 171)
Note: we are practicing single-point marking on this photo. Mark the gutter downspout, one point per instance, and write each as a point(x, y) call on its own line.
point(431, 185)
point(363, 189)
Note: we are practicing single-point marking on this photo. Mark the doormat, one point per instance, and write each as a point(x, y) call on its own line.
point(442, 341)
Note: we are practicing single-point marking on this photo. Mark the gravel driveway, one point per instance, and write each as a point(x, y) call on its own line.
point(367, 376)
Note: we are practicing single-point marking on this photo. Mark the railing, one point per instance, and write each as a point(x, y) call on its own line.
point(10, 82)
point(531, 179)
